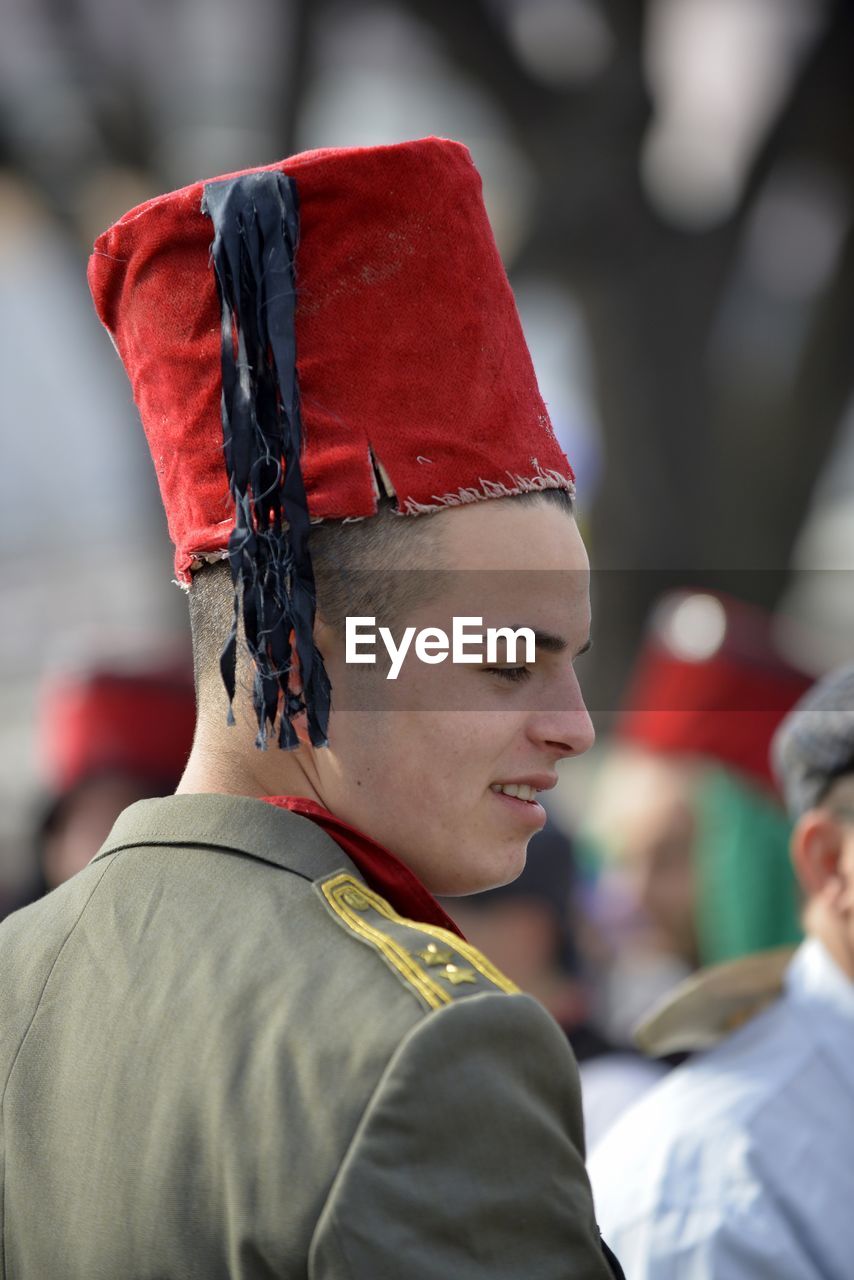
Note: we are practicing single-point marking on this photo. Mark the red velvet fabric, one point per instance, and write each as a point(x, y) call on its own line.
point(725, 707)
point(409, 345)
point(139, 724)
point(382, 870)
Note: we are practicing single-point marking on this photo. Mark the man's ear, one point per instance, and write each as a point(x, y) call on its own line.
point(816, 848)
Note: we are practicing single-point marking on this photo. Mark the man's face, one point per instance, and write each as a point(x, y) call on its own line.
point(649, 829)
point(84, 822)
point(419, 769)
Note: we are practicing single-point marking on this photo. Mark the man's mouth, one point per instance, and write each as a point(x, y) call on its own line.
point(519, 791)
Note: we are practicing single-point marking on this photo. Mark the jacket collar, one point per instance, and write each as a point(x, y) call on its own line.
point(234, 824)
point(383, 870)
point(814, 978)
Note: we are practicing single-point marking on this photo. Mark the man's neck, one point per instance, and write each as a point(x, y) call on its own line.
point(821, 923)
point(231, 767)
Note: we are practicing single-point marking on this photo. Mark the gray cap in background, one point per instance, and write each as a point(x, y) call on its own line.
point(814, 745)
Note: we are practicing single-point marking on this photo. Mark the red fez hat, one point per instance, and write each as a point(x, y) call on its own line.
point(293, 332)
point(138, 723)
point(710, 682)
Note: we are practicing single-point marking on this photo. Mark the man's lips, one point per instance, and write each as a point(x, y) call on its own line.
point(519, 797)
point(528, 814)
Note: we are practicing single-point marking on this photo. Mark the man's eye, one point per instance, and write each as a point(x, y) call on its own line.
point(514, 674)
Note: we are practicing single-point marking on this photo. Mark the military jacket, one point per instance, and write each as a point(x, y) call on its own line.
point(224, 1057)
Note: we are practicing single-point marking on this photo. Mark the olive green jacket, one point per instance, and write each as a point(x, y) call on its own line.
point(223, 1056)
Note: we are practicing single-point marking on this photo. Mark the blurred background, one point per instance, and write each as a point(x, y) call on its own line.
point(671, 183)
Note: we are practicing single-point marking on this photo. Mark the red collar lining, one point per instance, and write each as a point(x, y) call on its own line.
point(384, 872)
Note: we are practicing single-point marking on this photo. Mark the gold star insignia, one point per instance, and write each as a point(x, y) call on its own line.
point(456, 974)
point(433, 955)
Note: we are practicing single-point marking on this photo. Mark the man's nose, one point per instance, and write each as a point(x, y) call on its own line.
point(565, 728)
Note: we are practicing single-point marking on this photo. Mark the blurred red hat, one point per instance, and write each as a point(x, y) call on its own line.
point(710, 682)
point(298, 334)
point(138, 723)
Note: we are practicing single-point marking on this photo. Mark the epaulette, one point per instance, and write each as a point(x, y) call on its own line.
point(711, 1004)
point(435, 964)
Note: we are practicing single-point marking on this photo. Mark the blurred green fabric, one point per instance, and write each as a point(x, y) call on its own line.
point(748, 899)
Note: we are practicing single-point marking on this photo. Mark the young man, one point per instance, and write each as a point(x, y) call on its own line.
point(739, 1164)
point(246, 1041)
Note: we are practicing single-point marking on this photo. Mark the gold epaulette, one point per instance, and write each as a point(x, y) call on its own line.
point(711, 1004)
point(435, 964)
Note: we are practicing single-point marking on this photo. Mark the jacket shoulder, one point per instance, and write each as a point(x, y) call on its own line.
point(435, 965)
point(707, 1007)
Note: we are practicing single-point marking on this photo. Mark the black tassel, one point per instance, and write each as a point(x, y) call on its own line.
point(256, 226)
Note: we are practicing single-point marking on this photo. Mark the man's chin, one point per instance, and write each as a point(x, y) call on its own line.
point(480, 875)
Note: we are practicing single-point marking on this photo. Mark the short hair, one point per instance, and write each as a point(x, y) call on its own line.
point(379, 567)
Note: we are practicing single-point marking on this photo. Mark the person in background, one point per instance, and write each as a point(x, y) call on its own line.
point(685, 816)
point(738, 1166)
point(535, 930)
point(526, 928)
point(107, 737)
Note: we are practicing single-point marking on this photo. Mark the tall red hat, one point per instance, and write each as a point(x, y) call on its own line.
point(710, 682)
point(294, 332)
point(138, 722)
